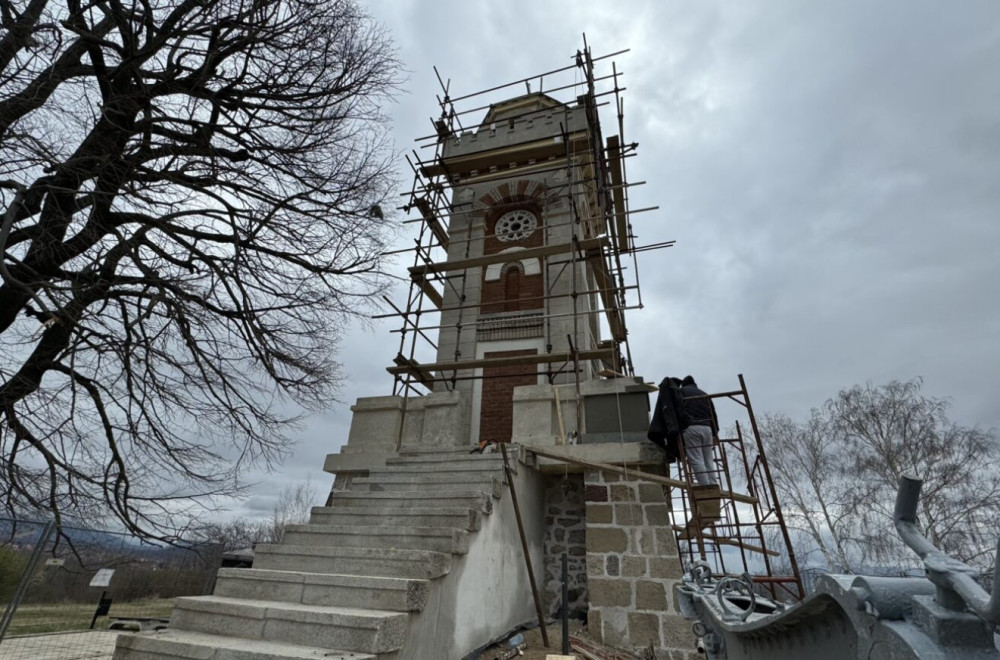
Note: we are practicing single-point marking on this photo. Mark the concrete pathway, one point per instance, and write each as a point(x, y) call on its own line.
point(88, 645)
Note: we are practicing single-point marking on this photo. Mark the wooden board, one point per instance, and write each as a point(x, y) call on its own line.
point(432, 294)
point(541, 358)
point(605, 283)
point(520, 154)
point(433, 222)
point(419, 374)
point(618, 191)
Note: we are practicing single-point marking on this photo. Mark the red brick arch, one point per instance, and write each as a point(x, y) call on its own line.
point(528, 194)
point(512, 194)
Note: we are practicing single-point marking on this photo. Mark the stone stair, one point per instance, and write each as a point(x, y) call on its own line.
point(347, 584)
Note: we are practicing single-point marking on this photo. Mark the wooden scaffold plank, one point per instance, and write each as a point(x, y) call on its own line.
point(461, 365)
point(725, 540)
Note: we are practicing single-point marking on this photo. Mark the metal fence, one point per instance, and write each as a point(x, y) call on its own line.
point(66, 597)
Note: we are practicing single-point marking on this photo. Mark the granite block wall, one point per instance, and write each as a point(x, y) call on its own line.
point(565, 532)
point(632, 568)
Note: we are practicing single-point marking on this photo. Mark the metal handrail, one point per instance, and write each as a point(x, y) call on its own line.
point(956, 586)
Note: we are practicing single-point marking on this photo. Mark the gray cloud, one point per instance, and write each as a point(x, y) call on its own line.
point(829, 170)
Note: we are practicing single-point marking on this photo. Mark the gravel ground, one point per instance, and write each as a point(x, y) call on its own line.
point(535, 650)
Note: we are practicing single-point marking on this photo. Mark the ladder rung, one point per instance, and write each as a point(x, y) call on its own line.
point(723, 540)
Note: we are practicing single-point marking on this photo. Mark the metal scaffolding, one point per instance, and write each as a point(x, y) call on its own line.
point(751, 535)
point(751, 528)
point(596, 190)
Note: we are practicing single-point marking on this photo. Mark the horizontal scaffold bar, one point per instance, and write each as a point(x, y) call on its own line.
point(418, 272)
point(635, 474)
point(725, 540)
point(541, 358)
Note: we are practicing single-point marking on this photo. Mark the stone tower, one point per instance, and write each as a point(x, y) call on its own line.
point(524, 217)
point(513, 331)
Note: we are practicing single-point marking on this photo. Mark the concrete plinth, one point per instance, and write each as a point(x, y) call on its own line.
point(613, 410)
point(437, 421)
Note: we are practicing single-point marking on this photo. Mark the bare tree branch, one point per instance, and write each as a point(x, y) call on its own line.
point(185, 187)
point(838, 474)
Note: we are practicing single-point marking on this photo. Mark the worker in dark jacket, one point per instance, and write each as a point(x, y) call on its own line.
point(669, 418)
point(702, 434)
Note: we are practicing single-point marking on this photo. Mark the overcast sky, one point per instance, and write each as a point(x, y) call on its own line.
point(829, 170)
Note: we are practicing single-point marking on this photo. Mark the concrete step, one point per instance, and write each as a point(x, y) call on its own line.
point(467, 475)
point(187, 645)
point(439, 539)
point(472, 468)
point(364, 631)
point(431, 460)
point(416, 564)
point(454, 451)
point(432, 483)
point(377, 593)
point(513, 451)
point(472, 498)
point(452, 516)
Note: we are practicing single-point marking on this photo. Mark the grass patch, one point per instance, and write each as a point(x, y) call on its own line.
point(64, 617)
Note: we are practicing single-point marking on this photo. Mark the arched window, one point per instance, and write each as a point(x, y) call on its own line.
point(511, 276)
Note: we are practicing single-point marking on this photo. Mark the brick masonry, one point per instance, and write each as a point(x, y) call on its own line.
point(565, 532)
point(496, 416)
point(514, 291)
point(632, 569)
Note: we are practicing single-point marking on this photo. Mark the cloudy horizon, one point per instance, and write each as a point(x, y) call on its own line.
point(830, 172)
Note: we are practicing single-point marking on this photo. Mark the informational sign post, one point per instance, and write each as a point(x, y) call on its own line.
point(102, 578)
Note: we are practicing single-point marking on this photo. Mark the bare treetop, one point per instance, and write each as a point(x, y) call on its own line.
point(191, 195)
point(838, 472)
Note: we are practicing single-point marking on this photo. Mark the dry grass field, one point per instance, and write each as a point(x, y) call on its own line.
point(64, 617)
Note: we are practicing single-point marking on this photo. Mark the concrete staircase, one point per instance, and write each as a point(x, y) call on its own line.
point(353, 583)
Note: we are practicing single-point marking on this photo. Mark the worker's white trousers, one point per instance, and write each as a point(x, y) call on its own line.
point(698, 451)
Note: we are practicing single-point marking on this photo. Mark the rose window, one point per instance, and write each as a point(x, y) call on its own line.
point(516, 225)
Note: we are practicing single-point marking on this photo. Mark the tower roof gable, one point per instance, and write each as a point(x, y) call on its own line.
point(520, 105)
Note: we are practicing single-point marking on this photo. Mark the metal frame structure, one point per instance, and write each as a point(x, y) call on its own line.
point(611, 250)
point(755, 530)
point(603, 236)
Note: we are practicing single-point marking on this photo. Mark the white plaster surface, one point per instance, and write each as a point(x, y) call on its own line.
point(487, 591)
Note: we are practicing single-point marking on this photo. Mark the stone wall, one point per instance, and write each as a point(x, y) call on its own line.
point(565, 532)
point(632, 568)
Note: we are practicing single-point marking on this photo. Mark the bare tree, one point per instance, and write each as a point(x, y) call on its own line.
point(293, 507)
point(894, 430)
point(818, 496)
point(233, 534)
point(838, 473)
point(191, 201)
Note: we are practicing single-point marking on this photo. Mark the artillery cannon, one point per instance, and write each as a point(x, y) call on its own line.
point(945, 615)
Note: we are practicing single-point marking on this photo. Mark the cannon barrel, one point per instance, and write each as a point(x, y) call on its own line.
point(948, 574)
